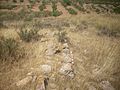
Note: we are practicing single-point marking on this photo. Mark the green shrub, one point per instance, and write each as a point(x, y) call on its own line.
point(81, 2)
point(54, 6)
point(8, 48)
point(56, 13)
point(7, 6)
point(42, 7)
point(14, 1)
point(32, 1)
point(117, 10)
point(28, 35)
point(67, 2)
point(97, 10)
point(21, 0)
point(72, 11)
point(43, 2)
point(80, 8)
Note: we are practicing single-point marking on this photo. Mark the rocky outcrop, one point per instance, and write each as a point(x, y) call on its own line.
point(67, 65)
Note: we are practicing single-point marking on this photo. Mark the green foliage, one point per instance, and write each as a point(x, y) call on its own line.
point(21, 0)
point(67, 2)
point(7, 6)
point(32, 1)
point(42, 7)
point(14, 1)
point(104, 1)
point(43, 2)
point(55, 12)
point(28, 35)
point(80, 2)
point(8, 48)
point(117, 10)
point(97, 10)
point(72, 11)
point(54, 6)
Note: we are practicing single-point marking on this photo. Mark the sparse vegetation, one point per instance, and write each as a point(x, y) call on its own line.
point(87, 44)
point(55, 12)
point(9, 48)
point(7, 6)
point(14, 1)
point(117, 10)
point(29, 35)
point(109, 29)
point(32, 1)
point(67, 2)
point(72, 11)
point(62, 37)
point(41, 7)
point(21, 0)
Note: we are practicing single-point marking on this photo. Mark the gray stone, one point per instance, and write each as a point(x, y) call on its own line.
point(67, 89)
point(24, 81)
point(46, 68)
point(91, 88)
point(71, 74)
point(68, 59)
point(106, 85)
point(50, 49)
point(41, 87)
point(66, 69)
point(65, 45)
point(66, 51)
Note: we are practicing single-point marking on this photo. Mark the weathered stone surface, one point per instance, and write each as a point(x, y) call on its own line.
point(67, 69)
point(65, 45)
point(66, 51)
point(46, 68)
point(50, 49)
point(68, 59)
point(71, 74)
point(41, 86)
point(91, 87)
point(106, 85)
point(67, 89)
point(24, 81)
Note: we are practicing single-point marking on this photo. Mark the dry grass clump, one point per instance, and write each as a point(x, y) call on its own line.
point(29, 35)
point(9, 49)
point(62, 37)
point(109, 27)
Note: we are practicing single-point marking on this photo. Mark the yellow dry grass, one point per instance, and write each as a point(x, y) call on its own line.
point(96, 57)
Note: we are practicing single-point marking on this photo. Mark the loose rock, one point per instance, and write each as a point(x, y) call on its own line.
point(67, 69)
point(46, 68)
point(106, 85)
point(24, 81)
